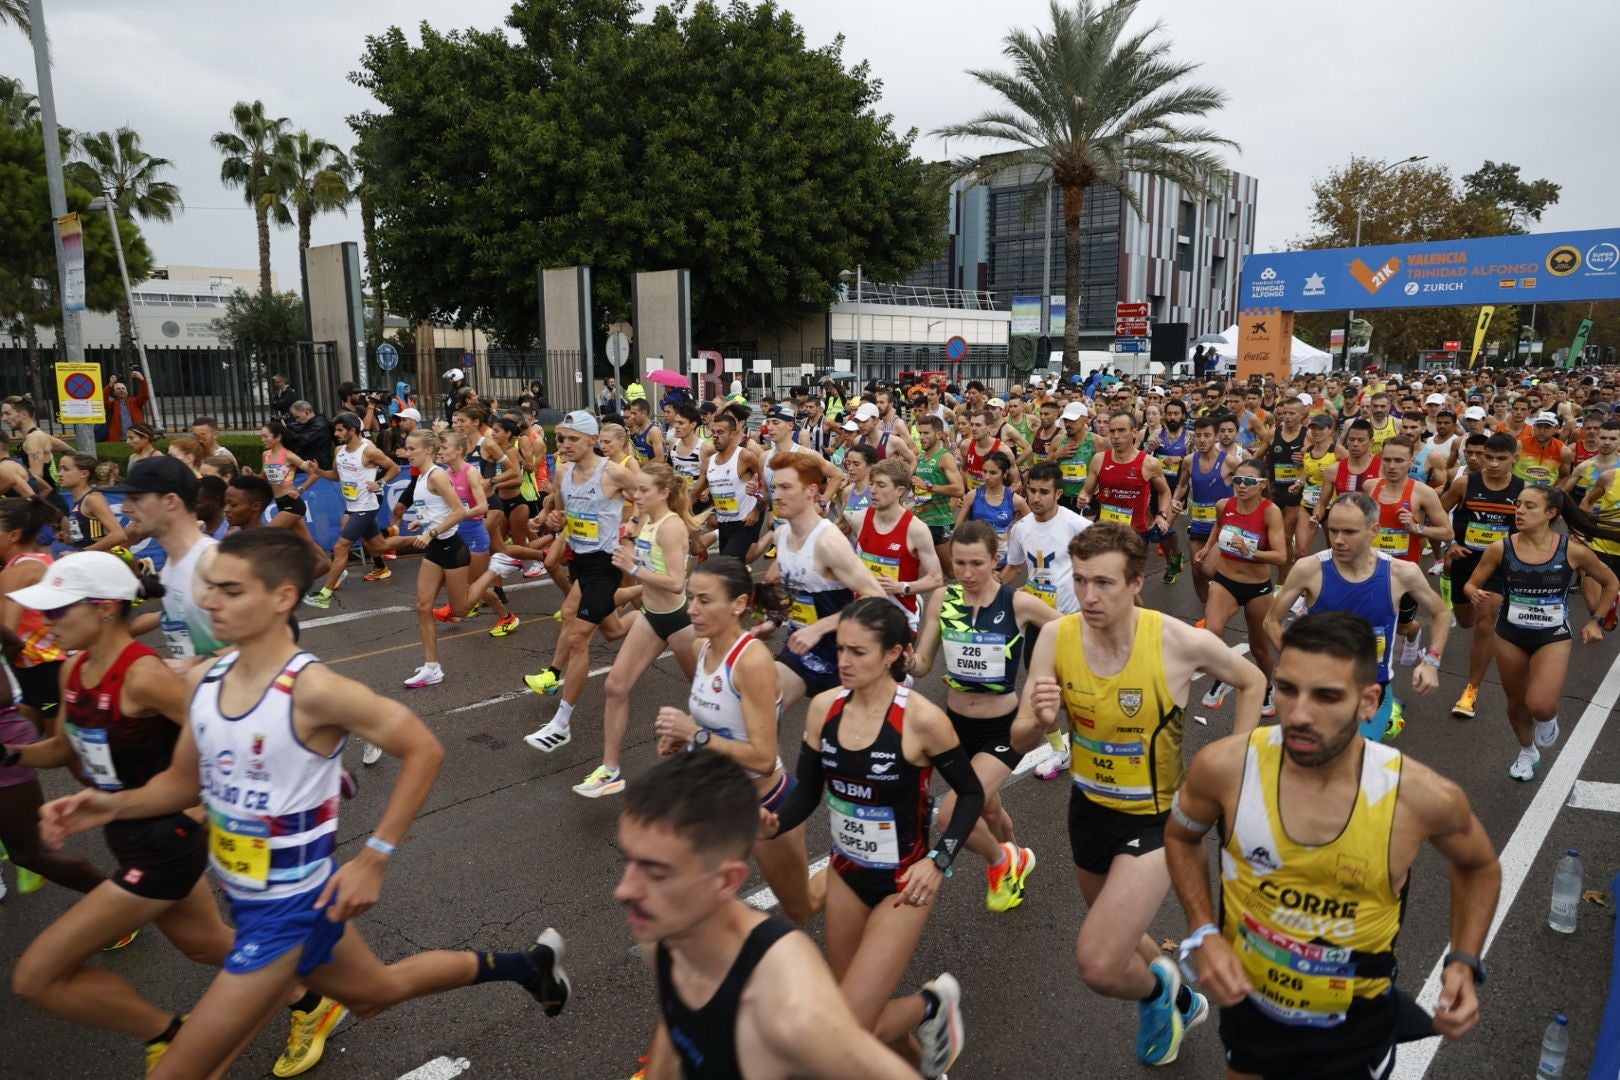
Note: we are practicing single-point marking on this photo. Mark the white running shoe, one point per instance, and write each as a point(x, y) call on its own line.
point(503, 564)
point(1411, 649)
point(1268, 708)
point(426, 675)
point(1056, 764)
point(1546, 732)
point(533, 569)
point(370, 753)
point(553, 736)
point(1215, 696)
point(1524, 766)
point(1437, 568)
point(942, 1037)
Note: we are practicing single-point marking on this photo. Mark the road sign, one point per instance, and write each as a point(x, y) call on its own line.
point(468, 359)
point(1130, 328)
point(79, 394)
point(1130, 311)
point(387, 357)
point(956, 349)
point(618, 348)
point(1131, 345)
point(1451, 346)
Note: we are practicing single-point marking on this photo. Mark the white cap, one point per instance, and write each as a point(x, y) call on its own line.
point(581, 421)
point(1547, 418)
point(867, 411)
point(1305, 400)
point(997, 403)
point(455, 374)
point(410, 414)
point(1440, 378)
point(83, 575)
point(1037, 380)
point(1473, 412)
point(1355, 380)
point(1157, 391)
point(850, 425)
point(1075, 410)
point(1436, 399)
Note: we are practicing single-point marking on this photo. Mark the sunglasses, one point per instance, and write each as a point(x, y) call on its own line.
point(53, 614)
point(1245, 481)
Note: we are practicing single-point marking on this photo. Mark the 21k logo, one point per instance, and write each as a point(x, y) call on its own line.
point(1373, 280)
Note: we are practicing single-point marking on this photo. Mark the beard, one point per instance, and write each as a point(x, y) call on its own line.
point(1325, 753)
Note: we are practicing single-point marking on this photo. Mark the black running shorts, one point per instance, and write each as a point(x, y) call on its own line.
point(158, 858)
point(1098, 834)
point(598, 579)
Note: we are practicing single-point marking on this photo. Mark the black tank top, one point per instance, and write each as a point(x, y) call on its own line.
point(1485, 515)
point(877, 800)
point(1281, 456)
point(981, 647)
point(1536, 594)
point(117, 752)
point(705, 1038)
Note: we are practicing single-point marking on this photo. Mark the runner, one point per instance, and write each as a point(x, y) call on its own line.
point(1169, 446)
point(1317, 459)
point(1357, 469)
point(1248, 542)
point(248, 499)
point(1073, 451)
point(121, 701)
point(769, 1005)
point(271, 841)
point(471, 486)
point(91, 524)
point(884, 876)
point(1297, 803)
point(729, 477)
point(1583, 477)
point(1541, 452)
point(734, 710)
point(857, 493)
point(590, 498)
point(1602, 502)
point(1354, 576)
point(1129, 484)
point(361, 471)
point(994, 502)
point(281, 467)
point(26, 556)
point(1206, 480)
point(646, 440)
point(1530, 573)
point(981, 441)
point(657, 561)
point(894, 543)
point(1409, 516)
point(1127, 729)
point(1482, 504)
point(979, 622)
point(935, 484)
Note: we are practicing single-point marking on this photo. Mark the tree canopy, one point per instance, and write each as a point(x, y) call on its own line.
point(257, 321)
point(712, 139)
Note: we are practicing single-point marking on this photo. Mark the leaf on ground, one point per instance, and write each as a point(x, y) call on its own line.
point(1170, 945)
point(1596, 896)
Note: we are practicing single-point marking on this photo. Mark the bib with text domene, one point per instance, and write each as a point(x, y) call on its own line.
point(1535, 612)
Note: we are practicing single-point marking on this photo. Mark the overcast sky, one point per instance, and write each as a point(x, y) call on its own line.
point(1310, 84)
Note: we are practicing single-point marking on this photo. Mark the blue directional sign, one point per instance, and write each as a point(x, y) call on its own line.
point(387, 357)
point(1539, 268)
point(1131, 345)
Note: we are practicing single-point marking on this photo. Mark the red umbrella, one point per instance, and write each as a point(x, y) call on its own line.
point(666, 377)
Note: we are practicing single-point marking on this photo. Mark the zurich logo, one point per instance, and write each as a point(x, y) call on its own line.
point(1410, 288)
point(1268, 274)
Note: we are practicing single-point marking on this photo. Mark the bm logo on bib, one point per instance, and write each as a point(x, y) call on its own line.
point(1130, 702)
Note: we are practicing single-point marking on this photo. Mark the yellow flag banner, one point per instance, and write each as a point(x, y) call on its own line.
point(1480, 330)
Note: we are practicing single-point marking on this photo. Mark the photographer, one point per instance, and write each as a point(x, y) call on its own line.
point(364, 404)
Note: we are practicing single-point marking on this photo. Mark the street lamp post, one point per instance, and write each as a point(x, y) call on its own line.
point(1361, 201)
point(105, 202)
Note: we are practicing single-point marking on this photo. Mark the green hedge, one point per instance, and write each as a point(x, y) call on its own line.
point(248, 449)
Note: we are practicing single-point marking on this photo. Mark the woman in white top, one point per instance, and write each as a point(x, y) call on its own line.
point(438, 510)
point(734, 709)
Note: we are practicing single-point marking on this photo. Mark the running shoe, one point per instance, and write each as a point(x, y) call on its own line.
point(155, 1052)
point(1002, 893)
point(378, 573)
point(942, 1036)
point(28, 882)
point(1215, 696)
point(127, 939)
point(1199, 625)
point(1546, 733)
point(1524, 766)
point(442, 613)
point(553, 736)
point(306, 1037)
point(1196, 1013)
point(1269, 708)
point(426, 675)
point(321, 599)
point(1160, 1028)
point(1465, 703)
point(1396, 722)
point(771, 552)
point(502, 563)
point(550, 986)
point(1411, 649)
point(602, 781)
point(1056, 764)
point(370, 753)
point(505, 626)
point(474, 611)
point(1172, 569)
point(390, 555)
point(1026, 867)
point(1437, 568)
point(534, 569)
point(546, 682)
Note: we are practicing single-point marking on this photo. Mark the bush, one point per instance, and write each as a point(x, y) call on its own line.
point(248, 449)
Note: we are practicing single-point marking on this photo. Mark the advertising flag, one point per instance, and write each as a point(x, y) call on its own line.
point(1481, 328)
point(1579, 343)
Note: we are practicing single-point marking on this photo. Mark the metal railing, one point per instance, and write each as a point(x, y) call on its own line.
point(876, 292)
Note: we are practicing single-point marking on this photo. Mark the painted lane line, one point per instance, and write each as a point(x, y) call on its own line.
point(1591, 795)
point(511, 694)
point(395, 609)
point(1519, 854)
point(764, 899)
point(440, 1068)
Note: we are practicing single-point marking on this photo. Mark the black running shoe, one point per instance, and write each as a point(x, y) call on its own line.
point(550, 985)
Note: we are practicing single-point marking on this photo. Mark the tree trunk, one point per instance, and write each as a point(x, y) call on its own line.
point(1074, 200)
point(304, 218)
point(126, 339)
point(261, 217)
point(36, 380)
point(368, 233)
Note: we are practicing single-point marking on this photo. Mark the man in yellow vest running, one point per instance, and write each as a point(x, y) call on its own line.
point(1122, 673)
point(1319, 829)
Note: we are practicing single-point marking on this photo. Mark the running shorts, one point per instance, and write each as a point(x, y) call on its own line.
point(772, 800)
point(267, 930)
point(16, 730)
point(476, 535)
point(736, 537)
point(1243, 591)
point(988, 735)
point(941, 533)
point(1407, 610)
point(666, 624)
point(1360, 1048)
point(361, 525)
point(292, 504)
point(598, 579)
point(1098, 834)
point(158, 858)
point(814, 681)
point(448, 552)
point(1526, 641)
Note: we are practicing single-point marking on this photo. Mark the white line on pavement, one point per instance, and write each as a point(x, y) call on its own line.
point(1520, 853)
point(395, 609)
point(510, 694)
point(1591, 795)
point(440, 1068)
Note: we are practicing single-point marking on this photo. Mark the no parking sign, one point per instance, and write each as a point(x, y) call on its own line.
point(79, 394)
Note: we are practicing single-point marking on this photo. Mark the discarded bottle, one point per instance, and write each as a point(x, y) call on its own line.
point(1566, 895)
point(1554, 1049)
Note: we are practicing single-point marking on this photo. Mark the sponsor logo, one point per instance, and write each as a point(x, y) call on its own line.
point(1351, 872)
point(1262, 856)
point(133, 875)
point(1410, 288)
point(1315, 285)
point(879, 768)
point(1602, 258)
point(1373, 280)
point(1135, 842)
point(1130, 702)
point(225, 762)
point(1563, 260)
point(258, 745)
point(717, 685)
point(1259, 329)
point(1270, 286)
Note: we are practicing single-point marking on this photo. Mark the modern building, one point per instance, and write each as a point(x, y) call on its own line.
point(1181, 255)
point(176, 306)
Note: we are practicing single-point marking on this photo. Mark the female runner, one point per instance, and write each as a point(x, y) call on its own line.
point(439, 512)
point(469, 485)
point(994, 503)
point(1248, 540)
point(91, 524)
point(281, 467)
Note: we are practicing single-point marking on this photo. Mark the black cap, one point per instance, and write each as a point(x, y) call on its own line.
point(163, 475)
point(1321, 420)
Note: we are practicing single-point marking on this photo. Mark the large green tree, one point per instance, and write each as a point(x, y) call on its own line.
point(713, 139)
point(257, 154)
point(262, 321)
point(1091, 100)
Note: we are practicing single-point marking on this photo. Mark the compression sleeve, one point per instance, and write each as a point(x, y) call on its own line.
point(801, 802)
point(957, 770)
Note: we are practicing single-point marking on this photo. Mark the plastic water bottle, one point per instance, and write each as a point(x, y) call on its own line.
point(1566, 895)
point(1554, 1049)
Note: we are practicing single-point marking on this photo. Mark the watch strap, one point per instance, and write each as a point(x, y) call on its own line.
point(1474, 963)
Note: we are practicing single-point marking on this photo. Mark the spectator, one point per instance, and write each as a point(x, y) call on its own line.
point(610, 400)
point(309, 434)
point(124, 410)
point(362, 403)
point(737, 389)
point(281, 406)
point(205, 429)
point(537, 391)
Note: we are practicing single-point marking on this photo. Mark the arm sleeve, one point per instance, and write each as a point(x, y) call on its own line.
point(957, 770)
point(801, 803)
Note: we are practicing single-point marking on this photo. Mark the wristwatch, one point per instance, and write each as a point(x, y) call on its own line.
point(1475, 964)
point(941, 860)
point(701, 737)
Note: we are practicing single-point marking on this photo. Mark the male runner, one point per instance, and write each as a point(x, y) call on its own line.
point(645, 438)
point(1285, 465)
point(1383, 426)
point(1121, 673)
point(1482, 512)
point(590, 499)
point(935, 483)
point(740, 993)
point(730, 474)
point(1205, 480)
point(1606, 455)
point(1410, 517)
point(1356, 470)
point(981, 441)
point(1130, 485)
point(1072, 452)
point(1319, 829)
point(355, 468)
point(264, 761)
point(1169, 446)
point(37, 447)
point(893, 542)
point(1541, 452)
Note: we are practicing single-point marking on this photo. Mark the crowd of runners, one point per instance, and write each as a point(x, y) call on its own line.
point(844, 551)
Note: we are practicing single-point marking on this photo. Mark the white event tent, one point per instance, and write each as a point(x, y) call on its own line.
point(1306, 359)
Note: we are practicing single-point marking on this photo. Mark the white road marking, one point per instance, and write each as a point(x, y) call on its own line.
point(396, 609)
point(510, 694)
point(440, 1068)
point(1591, 795)
point(1519, 854)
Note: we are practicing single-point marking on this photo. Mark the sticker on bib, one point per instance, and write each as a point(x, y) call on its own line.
point(1535, 612)
point(240, 850)
point(582, 527)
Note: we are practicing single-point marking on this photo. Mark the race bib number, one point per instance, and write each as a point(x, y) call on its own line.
point(1203, 511)
point(1117, 514)
point(1045, 590)
point(1074, 472)
point(726, 504)
point(1109, 769)
point(972, 656)
point(1311, 495)
point(1394, 541)
point(351, 490)
point(96, 755)
point(582, 527)
point(1535, 612)
point(882, 566)
point(240, 849)
point(1295, 983)
point(865, 835)
point(803, 611)
point(1238, 542)
point(176, 639)
point(276, 473)
point(1287, 473)
point(1480, 536)
point(75, 531)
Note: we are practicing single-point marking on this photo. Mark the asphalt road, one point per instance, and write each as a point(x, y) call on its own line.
point(504, 848)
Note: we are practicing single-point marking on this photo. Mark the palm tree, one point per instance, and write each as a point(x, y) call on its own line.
point(15, 12)
point(317, 180)
point(18, 108)
point(256, 153)
point(1088, 103)
point(114, 164)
